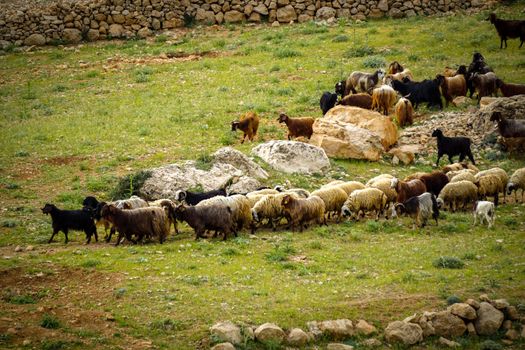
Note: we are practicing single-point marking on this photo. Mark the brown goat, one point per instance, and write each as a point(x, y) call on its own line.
point(148, 222)
point(408, 189)
point(249, 123)
point(434, 182)
point(452, 87)
point(449, 72)
point(394, 68)
point(383, 98)
point(485, 84)
point(303, 211)
point(404, 112)
point(297, 126)
point(357, 100)
point(508, 89)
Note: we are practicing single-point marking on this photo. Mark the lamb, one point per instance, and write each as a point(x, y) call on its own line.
point(333, 198)
point(508, 29)
point(508, 89)
point(193, 198)
point(509, 127)
point(302, 211)
point(434, 182)
point(362, 100)
point(383, 98)
point(452, 146)
point(452, 87)
point(368, 199)
point(517, 182)
point(141, 222)
point(209, 217)
point(485, 211)
point(458, 193)
point(422, 208)
point(327, 102)
point(485, 84)
point(377, 178)
point(240, 209)
point(65, 220)
point(364, 81)
point(297, 126)
point(248, 124)
point(405, 73)
point(404, 112)
point(406, 190)
point(300, 192)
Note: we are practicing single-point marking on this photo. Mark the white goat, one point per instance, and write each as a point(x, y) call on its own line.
point(485, 211)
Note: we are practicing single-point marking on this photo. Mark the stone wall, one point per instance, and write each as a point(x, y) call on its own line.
point(38, 23)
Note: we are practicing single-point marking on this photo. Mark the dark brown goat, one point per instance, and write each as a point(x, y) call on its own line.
point(508, 89)
point(509, 127)
point(249, 123)
point(485, 84)
point(408, 189)
point(452, 87)
point(208, 217)
point(434, 182)
point(508, 29)
point(141, 222)
point(357, 100)
point(297, 126)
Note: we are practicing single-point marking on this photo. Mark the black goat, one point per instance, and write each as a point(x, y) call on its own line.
point(417, 92)
point(453, 146)
point(65, 220)
point(508, 29)
point(192, 198)
point(478, 65)
point(328, 101)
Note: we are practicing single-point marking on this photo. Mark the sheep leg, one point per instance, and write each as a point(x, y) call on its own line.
point(470, 156)
point(475, 219)
point(111, 232)
point(55, 231)
point(496, 199)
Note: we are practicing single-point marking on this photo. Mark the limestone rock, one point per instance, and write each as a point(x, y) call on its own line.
point(325, 13)
point(35, 39)
point(472, 302)
point(303, 17)
point(403, 332)
point(224, 346)
point(339, 346)
point(372, 342)
point(448, 325)
point(269, 332)
point(72, 35)
point(383, 5)
point(463, 310)
point(337, 329)
point(93, 35)
point(489, 319)
point(293, 156)
point(500, 304)
point(115, 31)
point(471, 330)
point(144, 32)
point(261, 9)
point(203, 16)
point(233, 16)
point(286, 14)
point(448, 343)
point(365, 328)
point(297, 337)
point(511, 313)
point(227, 331)
point(406, 157)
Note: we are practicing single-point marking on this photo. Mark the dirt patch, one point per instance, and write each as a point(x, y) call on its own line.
point(63, 160)
point(74, 297)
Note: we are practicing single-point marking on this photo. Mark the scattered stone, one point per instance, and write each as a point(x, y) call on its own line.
point(506, 325)
point(233, 16)
point(500, 304)
point(18, 249)
point(471, 330)
point(489, 319)
point(286, 14)
point(227, 332)
point(485, 298)
point(449, 343)
point(448, 325)
point(512, 334)
point(337, 329)
point(473, 303)
point(511, 313)
point(297, 337)
point(276, 24)
point(405, 156)
point(372, 342)
point(365, 328)
point(72, 35)
point(403, 332)
point(224, 346)
point(463, 310)
point(293, 156)
point(325, 13)
point(115, 31)
point(144, 33)
point(269, 332)
point(339, 346)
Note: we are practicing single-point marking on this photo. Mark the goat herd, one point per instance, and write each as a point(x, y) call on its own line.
point(420, 195)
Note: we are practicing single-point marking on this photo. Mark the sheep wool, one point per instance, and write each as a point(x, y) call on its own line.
point(517, 182)
point(368, 199)
point(333, 198)
point(458, 193)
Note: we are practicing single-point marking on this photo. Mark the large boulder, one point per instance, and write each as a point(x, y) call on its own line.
point(72, 35)
point(489, 319)
point(227, 332)
point(224, 167)
point(233, 16)
point(334, 329)
point(463, 310)
point(203, 16)
point(293, 156)
point(286, 14)
point(269, 332)
point(297, 337)
point(352, 132)
point(403, 332)
point(448, 325)
point(35, 39)
point(115, 30)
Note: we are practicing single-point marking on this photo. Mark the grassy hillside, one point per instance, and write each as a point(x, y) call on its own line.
point(74, 119)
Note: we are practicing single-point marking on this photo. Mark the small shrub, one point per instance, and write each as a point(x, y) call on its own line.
point(59, 88)
point(22, 154)
point(90, 263)
point(374, 62)
point(55, 345)
point(373, 226)
point(204, 162)
point(413, 58)
point(162, 38)
point(453, 299)
point(230, 251)
point(280, 254)
point(359, 51)
point(49, 322)
point(167, 325)
point(490, 345)
point(286, 53)
point(275, 68)
point(448, 262)
point(228, 139)
point(340, 38)
point(130, 185)
point(22, 299)
point(8, 223)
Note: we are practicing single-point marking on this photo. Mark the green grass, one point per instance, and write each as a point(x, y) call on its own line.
point(72, 132)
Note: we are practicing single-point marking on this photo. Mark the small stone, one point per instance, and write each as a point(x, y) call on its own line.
point(18, 249)
point(26, 342)
point(500, 304)
point(297, 337)
point(363, 327)
point(463, 310)
point(485, 298)
point(372, 342)
point(11, 331)
point(224, 346)
point(449, 343)
point(473, 303)
point(511, 313)
point(471, 330)
point(507, 324)
point(507, 341)
point(227, 332)
point(269, 332)
point(403, 332)
point(35, 39)
point(276, 24)
point(30, 248)
point(512, 334)
point(339, 346)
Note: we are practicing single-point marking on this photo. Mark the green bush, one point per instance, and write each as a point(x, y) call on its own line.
point(374, 62)
point(49, 322)
point(448, 262)
point(130, 185)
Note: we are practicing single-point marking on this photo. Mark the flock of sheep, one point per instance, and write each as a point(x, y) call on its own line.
point(420, 195)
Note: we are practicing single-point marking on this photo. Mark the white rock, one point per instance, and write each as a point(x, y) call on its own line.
point(227, 331)
point(403, 332)
point(269, 332)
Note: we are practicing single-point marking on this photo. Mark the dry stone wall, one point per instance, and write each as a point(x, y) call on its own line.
point(39, 23)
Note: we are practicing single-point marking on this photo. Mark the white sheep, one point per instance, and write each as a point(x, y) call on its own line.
point(240, 209)
point(269, 207)
point(132, 202)
point(456, 193)
point(378, 178)
point(516, 182)
point(300, 192)
point(347, 186)
point(452, 174)
point(383, 184)
point(484, 210)
point(333, 198)
point(464, 175)
point(368, 199)
point(459, 166)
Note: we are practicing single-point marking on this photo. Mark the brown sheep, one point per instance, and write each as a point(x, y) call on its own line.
point(297, 126)
point(383, 98)
point(303, 211)
point(508, 89)
point(249, 123)
point(406, 190)
point(357, 100)
point(452, 87)
point(404, 112)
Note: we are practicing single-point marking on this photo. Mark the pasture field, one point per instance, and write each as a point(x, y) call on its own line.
point(75, 119)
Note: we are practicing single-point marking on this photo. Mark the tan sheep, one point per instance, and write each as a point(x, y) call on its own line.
point(363, 201)
point(240, 209)
point(458, 193)
point(502, 176)
point(303, 211)
point(517, 182)
point(333, 199)
point(464, 175)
